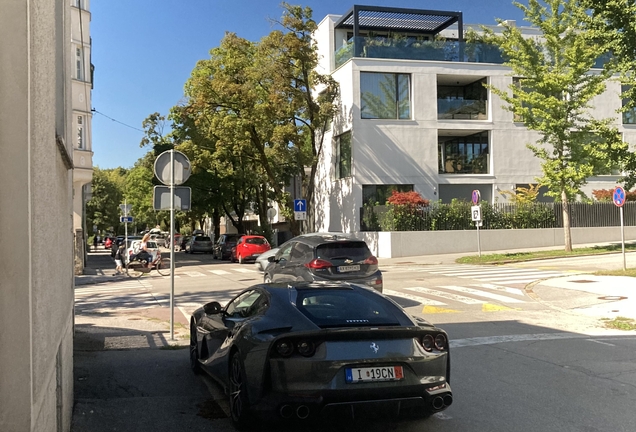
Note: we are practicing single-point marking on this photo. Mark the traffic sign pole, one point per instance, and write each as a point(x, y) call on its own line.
point(172, 244)
point(619, 199)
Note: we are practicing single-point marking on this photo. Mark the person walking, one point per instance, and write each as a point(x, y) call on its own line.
point(119, 257)
point(95, 243)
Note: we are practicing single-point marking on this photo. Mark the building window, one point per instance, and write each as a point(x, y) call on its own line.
point(343, 155)
point(79, 63)
point(467, 102)
point(629, 116)
point(464, 155)
point(80, 132)
point(372, 194)
point(385, 95)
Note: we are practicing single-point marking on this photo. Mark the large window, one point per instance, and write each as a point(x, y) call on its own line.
point(463, 155)
point(343, 155)
point(372, 194)
point(629, 117)
point(462, 102)
point(385, 95)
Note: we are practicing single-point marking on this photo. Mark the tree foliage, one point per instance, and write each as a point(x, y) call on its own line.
point(254, 107)
point(558, 78)
point(102, 210)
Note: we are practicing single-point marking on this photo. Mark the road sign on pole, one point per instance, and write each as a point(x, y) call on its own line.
point(162, 198)
point(300, 209)
point(476, 196)
point(125, 208)
point(126, 219)
point(618, 196)
point(619, 199)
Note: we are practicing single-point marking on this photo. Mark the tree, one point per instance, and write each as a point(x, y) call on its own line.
point(257, 104)
point(557, 82)
point(102, 209)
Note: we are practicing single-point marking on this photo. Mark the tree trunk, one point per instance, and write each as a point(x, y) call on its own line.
point(216, 220)
point(566, 221)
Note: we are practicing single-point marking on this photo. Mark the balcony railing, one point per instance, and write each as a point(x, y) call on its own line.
point(412, 49)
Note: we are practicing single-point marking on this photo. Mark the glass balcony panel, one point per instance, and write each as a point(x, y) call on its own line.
point(461, 109)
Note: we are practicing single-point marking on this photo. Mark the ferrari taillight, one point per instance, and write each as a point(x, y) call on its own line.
point(428, 342)
point(284, 348)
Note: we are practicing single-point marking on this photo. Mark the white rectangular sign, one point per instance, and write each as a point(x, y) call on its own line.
point(475, 212)
point(182, 198)
point(300, 215)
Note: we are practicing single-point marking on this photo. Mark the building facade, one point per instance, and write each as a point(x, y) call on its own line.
point(82, 84)
point(415, 115)
point(36, 217)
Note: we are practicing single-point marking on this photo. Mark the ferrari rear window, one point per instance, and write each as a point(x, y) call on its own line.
point(346, 308)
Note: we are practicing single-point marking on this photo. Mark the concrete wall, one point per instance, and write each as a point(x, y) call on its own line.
point(414, 243)
point(36, 258)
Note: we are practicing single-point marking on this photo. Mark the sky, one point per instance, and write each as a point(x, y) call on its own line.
point(144, 51)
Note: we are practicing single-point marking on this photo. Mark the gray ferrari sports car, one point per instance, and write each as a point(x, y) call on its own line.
point(301, 351)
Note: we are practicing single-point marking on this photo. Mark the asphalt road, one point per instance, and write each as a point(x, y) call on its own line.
point(518, 364)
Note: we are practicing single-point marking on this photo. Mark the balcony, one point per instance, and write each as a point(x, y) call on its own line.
point(414, 49)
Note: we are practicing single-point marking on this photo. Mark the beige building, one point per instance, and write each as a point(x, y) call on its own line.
point(82, 83)
point(36, 216)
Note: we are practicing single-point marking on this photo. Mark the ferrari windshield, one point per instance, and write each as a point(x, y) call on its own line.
point(346, 308)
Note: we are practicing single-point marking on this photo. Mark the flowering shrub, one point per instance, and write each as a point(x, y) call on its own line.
point(404, 211)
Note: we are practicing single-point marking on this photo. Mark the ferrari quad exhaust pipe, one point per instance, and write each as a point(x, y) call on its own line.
point(302, 412)
point(448, 400)
point(286, 411)
point(438, 403)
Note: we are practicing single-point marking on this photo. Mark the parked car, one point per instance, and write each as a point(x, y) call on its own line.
point(119, 240)
point(199, 244)
point(183, 241)
point(248, 248)
point(108, 243)
point(261, 262)
point(308, 349)
point(328, 257)
point(223, 246)
point(134, 245)
point(160, 239)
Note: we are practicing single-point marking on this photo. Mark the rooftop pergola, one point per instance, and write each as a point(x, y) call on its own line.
point(389, 19)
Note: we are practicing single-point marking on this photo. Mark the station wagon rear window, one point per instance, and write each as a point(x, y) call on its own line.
point(328, 308)
point(201, 238)
point(356, 251)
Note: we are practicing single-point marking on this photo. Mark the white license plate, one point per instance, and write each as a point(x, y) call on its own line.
point(344, 269)
point(374, 374)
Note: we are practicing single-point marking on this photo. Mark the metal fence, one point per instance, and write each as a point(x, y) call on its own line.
point(457, 216)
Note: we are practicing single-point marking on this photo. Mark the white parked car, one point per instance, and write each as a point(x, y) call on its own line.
point(133, 249)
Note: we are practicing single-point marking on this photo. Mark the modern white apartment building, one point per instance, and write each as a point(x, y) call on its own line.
point(415, 115)
point(82, 84)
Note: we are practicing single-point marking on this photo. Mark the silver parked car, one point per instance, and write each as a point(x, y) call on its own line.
point(199, 244)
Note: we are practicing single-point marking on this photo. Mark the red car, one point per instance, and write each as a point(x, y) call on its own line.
point(249, 247)
point(108, 243)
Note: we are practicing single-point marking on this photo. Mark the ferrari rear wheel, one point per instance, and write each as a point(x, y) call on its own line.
point(239, 406)
point(194, 349)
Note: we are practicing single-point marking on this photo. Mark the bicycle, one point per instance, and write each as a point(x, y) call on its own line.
point(136, 268)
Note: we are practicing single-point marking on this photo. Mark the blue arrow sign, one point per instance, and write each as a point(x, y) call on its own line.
point(300, 205)
point(619, 196)
point(127, 219)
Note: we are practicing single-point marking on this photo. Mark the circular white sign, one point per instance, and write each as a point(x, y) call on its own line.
point(182, 167)
point(271, 213)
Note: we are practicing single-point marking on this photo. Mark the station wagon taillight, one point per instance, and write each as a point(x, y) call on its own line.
point(318, 264)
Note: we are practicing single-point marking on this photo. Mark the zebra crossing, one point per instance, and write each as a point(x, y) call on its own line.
point(495, 275)
point(489, 297)
point(116, 296)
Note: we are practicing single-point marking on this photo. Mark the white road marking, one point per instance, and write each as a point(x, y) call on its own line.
point(244, 270)
point(423, 300)
point(194, 273)
point(491, 340)
point(451, 296)
point(599, 342)
point(219, 272)
point(515, 291)
point(481, 293)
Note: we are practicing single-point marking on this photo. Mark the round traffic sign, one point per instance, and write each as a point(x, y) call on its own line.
point(181, 167)
point(619, 196)
point(476, 196)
